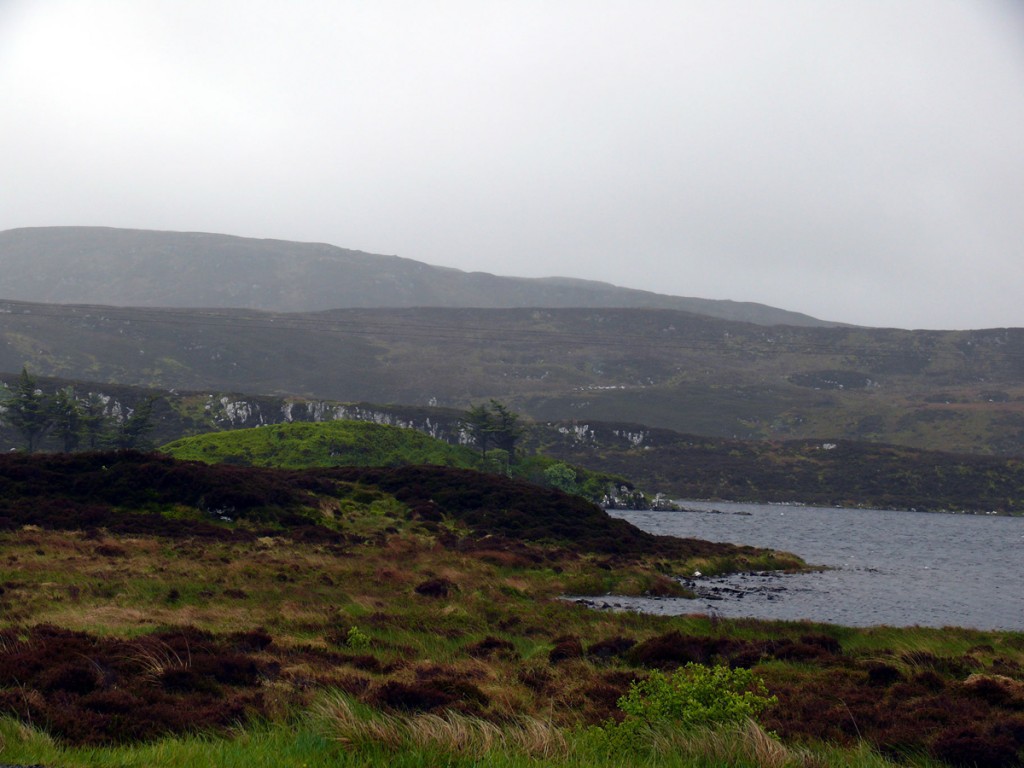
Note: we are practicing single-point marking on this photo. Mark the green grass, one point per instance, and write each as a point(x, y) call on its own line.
point(302, 445)
point(327, 444)
point(337, 734)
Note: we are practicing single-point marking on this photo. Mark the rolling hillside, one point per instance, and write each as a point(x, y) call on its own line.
point(124, 267)
point(957, 391)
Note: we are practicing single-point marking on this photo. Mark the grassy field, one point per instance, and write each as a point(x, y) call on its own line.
point(165, 613)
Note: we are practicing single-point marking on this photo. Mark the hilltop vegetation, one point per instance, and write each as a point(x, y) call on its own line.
point(365, 444)
point(326, 444)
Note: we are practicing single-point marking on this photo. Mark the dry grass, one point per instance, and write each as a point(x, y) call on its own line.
point(448, 732)
point(156, 658)
point(513, 699)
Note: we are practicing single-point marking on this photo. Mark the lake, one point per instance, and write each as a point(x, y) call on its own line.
point(885, 567)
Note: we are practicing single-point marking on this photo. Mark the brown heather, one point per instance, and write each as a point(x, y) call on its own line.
point(407, 632)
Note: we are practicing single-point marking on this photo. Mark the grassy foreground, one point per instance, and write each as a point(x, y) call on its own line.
point(165, 613)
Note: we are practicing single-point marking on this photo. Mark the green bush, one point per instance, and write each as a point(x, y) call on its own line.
point(697, 695)
point(693, 696)
point(561, 476)
point(357, 639)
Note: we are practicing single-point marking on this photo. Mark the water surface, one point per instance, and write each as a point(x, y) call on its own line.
point(885, 567)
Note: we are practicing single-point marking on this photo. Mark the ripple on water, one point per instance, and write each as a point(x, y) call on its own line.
point(884, 567)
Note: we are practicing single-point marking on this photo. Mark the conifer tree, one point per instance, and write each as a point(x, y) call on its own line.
point(28, 410)
point(67, 418)
point(494, 424)
point(94, 421)
point(505, 428)
point(478, 422)
point(134, 430)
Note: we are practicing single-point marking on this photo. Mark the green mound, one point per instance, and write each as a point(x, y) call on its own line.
point(327, 444)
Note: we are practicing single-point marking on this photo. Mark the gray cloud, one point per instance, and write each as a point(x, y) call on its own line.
point(857, 161)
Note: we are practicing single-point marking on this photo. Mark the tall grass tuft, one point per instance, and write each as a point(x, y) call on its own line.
point(741, 744)
point(156, 658)
point(449, 732)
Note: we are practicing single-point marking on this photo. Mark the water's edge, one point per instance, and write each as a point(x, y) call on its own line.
point(883, 567)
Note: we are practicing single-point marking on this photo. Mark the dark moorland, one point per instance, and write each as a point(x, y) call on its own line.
point(134, 608)
point(116, 491)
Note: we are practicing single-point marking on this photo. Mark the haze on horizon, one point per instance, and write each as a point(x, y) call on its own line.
point(859, 162)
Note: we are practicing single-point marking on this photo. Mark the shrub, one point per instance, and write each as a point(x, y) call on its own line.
point(674, 649)
point(356, 638)
point(967, 747)
point(491, 646)
point(612, 646)
point(697, 695)
point(435, 588)
point(693, 696)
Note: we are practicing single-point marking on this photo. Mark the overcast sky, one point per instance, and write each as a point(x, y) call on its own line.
point(857, 160)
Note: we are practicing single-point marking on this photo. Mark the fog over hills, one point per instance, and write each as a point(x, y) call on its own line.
point(143, 268)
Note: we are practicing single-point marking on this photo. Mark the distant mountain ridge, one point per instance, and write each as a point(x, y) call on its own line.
point(146, 268)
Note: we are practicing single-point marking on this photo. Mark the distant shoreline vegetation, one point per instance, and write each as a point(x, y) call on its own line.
point(365, 444)
point(830, 473)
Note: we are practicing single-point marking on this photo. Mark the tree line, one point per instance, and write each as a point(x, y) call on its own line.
point(75, 422)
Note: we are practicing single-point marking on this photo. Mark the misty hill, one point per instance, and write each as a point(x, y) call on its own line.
point(941, 390)
point(126, 267)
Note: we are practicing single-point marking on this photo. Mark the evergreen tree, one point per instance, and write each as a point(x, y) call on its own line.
point(67, 418)
point(494, 425)
point(133, 431)
point(478, 422)
point(94, 420)
point(505, 428)
point(28, 410)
